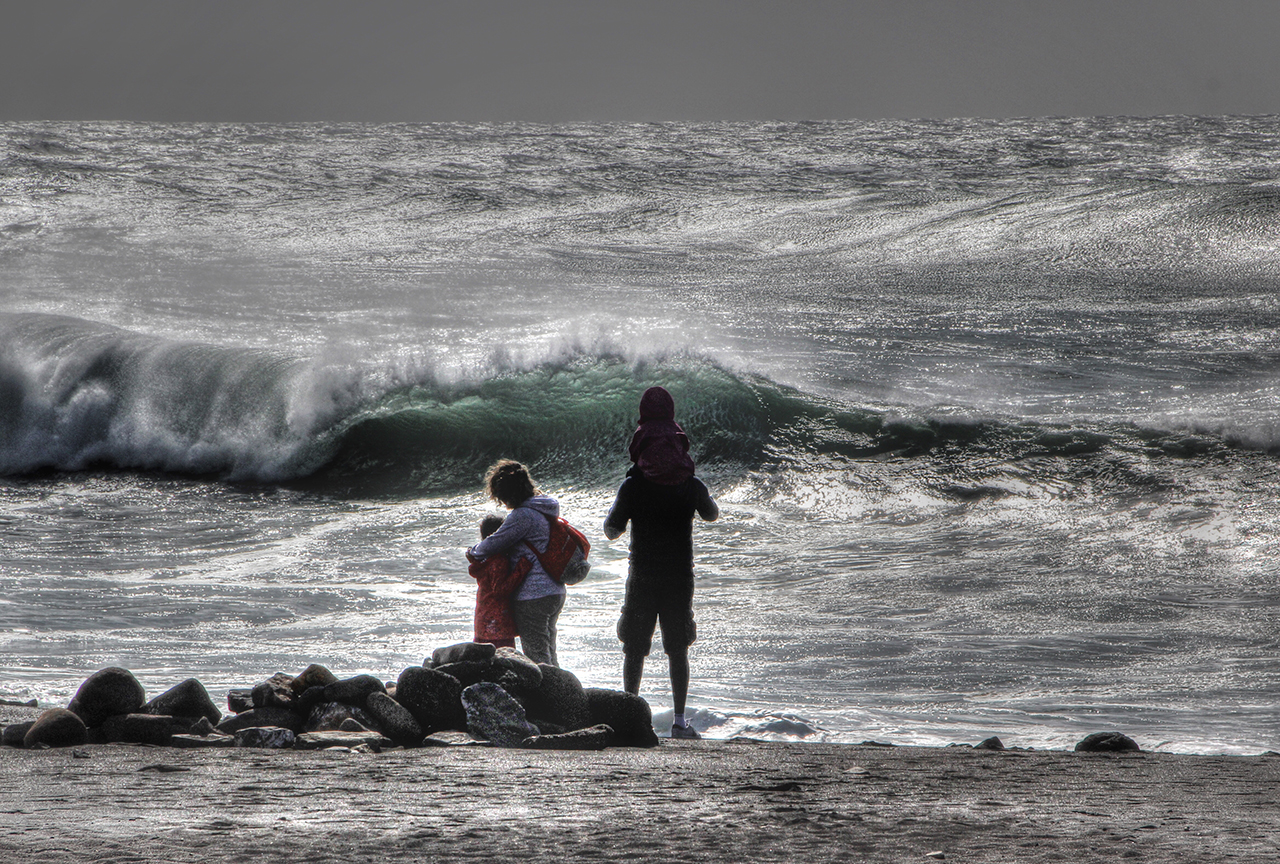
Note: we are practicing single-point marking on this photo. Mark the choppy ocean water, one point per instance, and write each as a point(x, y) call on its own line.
point(990, 407)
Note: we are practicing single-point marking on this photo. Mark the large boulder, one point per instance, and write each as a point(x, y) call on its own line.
point(394, 720)
point(463, 652)
point(138, 729)
point(314, 675)
point(269, 737)
point(275, 692)
point(629, 716)
point(1108, 742)
point(106, 692)
point(353, 691)
point(258, 717)
point(560, 701)
point(188, 699)
point(433, 698)
point(591, 738)
point(57, 727)
point(495, 715)
point(329, 716)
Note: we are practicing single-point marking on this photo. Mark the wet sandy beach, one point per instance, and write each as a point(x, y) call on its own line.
point(683, 801)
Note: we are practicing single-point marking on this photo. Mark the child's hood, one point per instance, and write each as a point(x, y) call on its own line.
point(657, 404)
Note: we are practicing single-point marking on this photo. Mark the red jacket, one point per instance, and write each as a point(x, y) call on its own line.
point(496, 584)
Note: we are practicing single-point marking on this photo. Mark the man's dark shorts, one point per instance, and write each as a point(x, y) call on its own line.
point(650, 603)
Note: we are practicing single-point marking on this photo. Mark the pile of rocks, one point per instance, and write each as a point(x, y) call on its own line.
point(494, 695)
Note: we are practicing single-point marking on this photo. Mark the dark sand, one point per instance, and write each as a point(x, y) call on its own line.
point(681, 802)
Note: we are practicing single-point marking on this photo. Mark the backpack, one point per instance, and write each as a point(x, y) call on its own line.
point(566, 557)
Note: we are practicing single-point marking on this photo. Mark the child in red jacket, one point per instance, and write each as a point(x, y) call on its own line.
point(496, 583)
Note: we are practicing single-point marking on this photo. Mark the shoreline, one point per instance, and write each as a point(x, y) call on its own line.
point(688, 800)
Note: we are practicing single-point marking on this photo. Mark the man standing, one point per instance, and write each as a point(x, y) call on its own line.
point(659, 578)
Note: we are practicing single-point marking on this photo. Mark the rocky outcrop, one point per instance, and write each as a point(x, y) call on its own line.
point(107, 692)
point(509, 700)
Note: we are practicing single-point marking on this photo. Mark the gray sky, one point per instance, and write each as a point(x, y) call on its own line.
point(564, 60)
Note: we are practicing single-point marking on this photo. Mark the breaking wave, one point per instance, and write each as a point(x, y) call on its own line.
point(80, 395)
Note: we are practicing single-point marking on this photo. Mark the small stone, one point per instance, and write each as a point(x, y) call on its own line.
point(463, 652)
point(333, 738)
point(329, 716)
point(992, 743)
point(57, 727)
point(152, 729)
point(936, 856)
point(351, 724)
point(353, 691)
point(494, 714)
point(268, 737)
point(217, 739)
point(452, 738)
point(259, 717)
point(314, 675)
point(591, 738)
point(240, 701)
point(188, 699)
point(1108, 742)
point(105, 693)
point(201, 727)
point(275, 692)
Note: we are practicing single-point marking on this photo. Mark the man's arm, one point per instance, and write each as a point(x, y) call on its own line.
point(705, 505)
point(619, 514)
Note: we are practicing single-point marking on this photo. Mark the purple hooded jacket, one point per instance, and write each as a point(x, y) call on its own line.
point(659, 446)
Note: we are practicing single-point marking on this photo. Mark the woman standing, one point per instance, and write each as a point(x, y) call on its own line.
point(539, 599)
